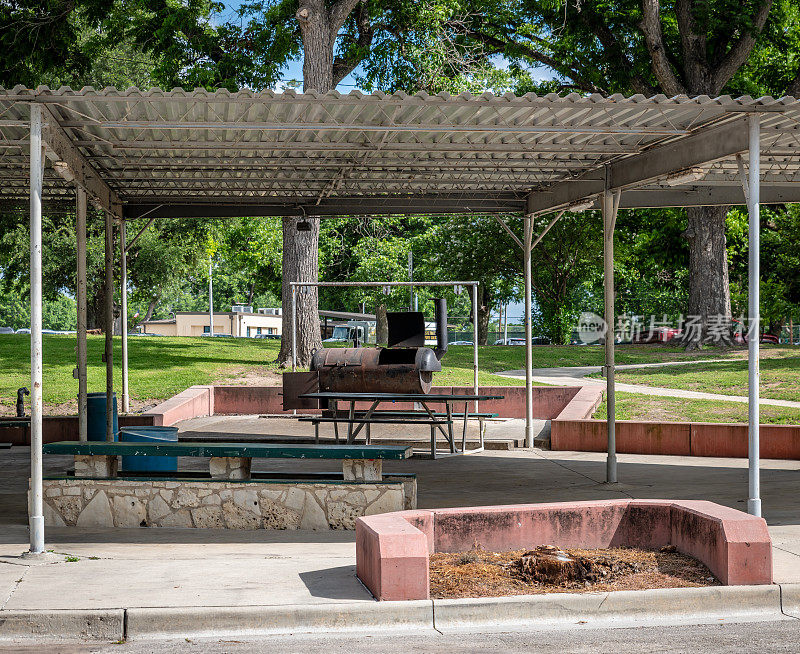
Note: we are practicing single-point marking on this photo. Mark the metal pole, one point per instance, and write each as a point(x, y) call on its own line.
point(80, 229)
point(36, 517)
point(608, 297)
point(294, 327)
point(210, 300)
point(411, 279)
point(505, 325)
point(124, 296)
point(475, 340)
point(754, 277)
point(528, 333)
point(109, 351)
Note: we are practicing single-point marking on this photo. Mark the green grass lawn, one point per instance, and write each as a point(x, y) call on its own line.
point(158, 367)
point(780, 377)
point(496, 359)
point(162, 367)
point(632, 406)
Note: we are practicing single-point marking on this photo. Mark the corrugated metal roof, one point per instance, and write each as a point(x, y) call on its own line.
point(315, 151)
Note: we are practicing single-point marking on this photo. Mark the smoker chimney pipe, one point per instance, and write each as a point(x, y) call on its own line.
point(440, 311)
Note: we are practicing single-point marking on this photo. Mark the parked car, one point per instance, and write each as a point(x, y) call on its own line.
point(23, 330)
point(740, 337)
point(658, 335)
point(460, 343)
point(6, 330)
point(272, 337)
point(536, 340)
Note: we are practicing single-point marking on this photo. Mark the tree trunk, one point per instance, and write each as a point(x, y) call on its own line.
point(318, 45)
point(95, 307)
point(151, 307)
point(709, 292)
point(381, 325)
point(300, 264)
point(481, 330)
point(301, 249)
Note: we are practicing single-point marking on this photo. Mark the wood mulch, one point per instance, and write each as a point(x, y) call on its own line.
point(480, 573)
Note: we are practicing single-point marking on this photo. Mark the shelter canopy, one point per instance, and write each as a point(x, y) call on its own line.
point(202, 153)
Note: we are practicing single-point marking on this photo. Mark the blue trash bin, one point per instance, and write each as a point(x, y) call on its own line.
point(96, 416)
point(149, 435)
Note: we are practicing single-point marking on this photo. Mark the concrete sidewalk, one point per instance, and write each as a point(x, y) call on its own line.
point(195, 570)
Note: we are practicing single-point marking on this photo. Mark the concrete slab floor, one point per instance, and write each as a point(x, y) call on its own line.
point(154, 567)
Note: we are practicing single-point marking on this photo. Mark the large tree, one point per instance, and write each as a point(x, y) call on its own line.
point(692, 47)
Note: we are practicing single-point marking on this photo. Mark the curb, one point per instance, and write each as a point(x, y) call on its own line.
point(790, 599)
point(252, 620)
point(697, 605)
point(728, 602)
point(89, 624)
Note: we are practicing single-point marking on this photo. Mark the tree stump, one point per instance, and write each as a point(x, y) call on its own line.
point(550, 565)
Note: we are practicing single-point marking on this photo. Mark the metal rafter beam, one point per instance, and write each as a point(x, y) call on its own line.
point(703, 196)
point(69, 160)
point(703, 147)
point(214, 207)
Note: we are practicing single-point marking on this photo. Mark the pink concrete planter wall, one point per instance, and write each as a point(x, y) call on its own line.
point(194, 402)
point(674, 438)
point(548, 402)
point(200, 401)
point(735, 546)
point(582, 403)
point(62, 428)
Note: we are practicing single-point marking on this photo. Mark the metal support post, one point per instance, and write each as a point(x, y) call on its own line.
point(124, 308)
point(210, 300)
point(36, 505)
point(109, 326)
point(80, 229)
point(410, 279)
point(294, 327)
point(475, 341)
point(754, 314)
point(528, 332)
point(610, 205)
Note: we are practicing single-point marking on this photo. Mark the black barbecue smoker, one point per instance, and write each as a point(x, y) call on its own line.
point(405, 365)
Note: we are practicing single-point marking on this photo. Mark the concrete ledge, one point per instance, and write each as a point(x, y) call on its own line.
point(252, 620)
point(548, 402)
point(582, 405)
point(576, 433)
point(194, 402)
point(633, 437)
point(735, 546)
point(61, 428)
point(88, 624)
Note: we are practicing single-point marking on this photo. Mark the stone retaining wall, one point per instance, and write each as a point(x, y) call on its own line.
point(221, 504)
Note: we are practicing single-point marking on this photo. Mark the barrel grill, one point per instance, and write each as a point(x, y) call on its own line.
point(404, 366)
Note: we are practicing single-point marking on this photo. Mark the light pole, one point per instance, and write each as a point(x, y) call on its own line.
point(210, 299)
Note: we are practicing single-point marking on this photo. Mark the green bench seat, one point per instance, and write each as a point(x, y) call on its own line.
point(228, 460)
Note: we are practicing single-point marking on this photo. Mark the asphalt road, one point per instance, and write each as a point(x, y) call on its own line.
point(761, 637)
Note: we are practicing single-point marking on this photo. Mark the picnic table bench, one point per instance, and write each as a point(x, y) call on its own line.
point(437, 420)
point(230, 461)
